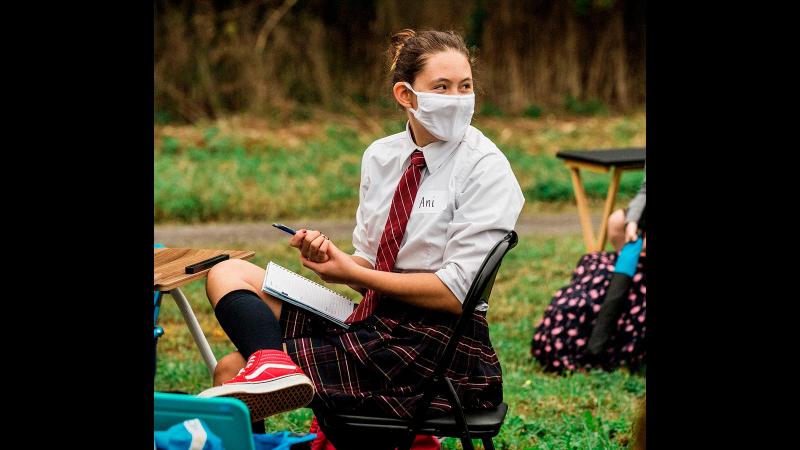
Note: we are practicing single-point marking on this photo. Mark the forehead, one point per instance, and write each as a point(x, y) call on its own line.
point(448, 64)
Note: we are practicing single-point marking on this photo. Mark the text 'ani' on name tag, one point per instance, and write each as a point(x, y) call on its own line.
point(430, 201)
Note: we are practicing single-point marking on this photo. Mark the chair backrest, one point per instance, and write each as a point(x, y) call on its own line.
point(226, 417)
point(480, 290)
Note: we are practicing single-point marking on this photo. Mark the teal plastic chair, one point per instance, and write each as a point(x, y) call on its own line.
point(226, 417)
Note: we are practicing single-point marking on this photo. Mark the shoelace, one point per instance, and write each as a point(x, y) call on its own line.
point(250, 362)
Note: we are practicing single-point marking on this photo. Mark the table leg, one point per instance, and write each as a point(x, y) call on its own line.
point(607, 210)
point(194, 327)
point(583, 208)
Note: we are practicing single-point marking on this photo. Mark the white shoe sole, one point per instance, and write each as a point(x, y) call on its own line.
point(270, 397)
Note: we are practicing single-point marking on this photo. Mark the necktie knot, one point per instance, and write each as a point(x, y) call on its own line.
point(418, 159)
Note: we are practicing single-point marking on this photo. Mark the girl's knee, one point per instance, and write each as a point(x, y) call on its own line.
point(616, 229)
point(616, 220)
point(225, 277)
point(226, 269)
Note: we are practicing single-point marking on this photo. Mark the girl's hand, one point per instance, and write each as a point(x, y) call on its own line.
point(312, 244)
point(630, 232)
point(339, 267)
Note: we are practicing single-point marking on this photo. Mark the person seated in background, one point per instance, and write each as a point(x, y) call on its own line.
point(562, 337)
point(623, 225)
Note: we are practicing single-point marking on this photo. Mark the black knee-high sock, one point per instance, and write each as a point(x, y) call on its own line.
point(249, 322)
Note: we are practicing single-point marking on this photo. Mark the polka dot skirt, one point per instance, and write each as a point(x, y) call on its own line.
point(561, 336)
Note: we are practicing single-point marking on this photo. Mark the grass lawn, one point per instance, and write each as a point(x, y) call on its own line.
point(243, 169)
point(579, 411)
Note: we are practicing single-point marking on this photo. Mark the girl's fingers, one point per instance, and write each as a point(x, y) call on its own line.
point(313, 247)
point(322, 253)
point(324, 247)
point(297, 240)
point(307, 240)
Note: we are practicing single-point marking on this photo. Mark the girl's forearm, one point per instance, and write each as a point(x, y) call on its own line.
point(363, 263)
point(423, 290)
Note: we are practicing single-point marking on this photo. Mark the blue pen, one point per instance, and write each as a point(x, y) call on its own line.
point(284, 228)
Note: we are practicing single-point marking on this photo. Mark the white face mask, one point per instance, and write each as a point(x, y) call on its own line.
point(446, 117)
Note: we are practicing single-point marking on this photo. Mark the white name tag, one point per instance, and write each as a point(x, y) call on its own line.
point(430, 201)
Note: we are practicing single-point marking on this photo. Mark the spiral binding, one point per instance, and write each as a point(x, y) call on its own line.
point(310, 281)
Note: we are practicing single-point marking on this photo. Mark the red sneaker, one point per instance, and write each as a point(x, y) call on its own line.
point(270, 383)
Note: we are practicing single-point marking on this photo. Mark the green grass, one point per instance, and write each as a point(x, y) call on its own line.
point(587, 108)
point(592, 410)
point(225, 179)
point(205, 173)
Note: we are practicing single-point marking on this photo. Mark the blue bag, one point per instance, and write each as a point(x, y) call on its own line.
point(188, 435)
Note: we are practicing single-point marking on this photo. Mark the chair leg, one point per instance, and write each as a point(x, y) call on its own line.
point(258, 427)
point(467, 444)
point(488, 444)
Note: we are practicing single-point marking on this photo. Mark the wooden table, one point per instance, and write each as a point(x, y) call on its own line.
point(614, 161)
point(169, 274)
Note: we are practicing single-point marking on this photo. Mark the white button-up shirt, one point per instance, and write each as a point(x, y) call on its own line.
point(468, 199)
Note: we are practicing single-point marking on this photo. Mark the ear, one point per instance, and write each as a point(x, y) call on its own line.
point(402, 95)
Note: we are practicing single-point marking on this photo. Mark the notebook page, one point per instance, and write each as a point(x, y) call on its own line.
point(303, 290)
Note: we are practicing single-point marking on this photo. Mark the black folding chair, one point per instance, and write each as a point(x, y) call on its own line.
point(466, 425)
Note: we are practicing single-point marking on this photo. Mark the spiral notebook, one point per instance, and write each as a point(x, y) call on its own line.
point(298, 290)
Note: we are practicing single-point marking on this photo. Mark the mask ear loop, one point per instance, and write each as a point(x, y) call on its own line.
point(408, 86)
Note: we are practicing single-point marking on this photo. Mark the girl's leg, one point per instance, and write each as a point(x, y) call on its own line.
point(249, 317)
point(237, 274)
point(227, 367)
point(271, 382)
point(616, 229)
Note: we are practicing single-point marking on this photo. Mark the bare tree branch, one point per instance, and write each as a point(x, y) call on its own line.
point(270, 24)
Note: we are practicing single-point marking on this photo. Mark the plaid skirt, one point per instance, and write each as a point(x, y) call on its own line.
point(379, 364)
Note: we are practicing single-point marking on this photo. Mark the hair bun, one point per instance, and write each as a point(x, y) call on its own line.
point(399, 40)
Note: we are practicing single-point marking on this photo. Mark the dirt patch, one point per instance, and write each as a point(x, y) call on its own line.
point(262, 233)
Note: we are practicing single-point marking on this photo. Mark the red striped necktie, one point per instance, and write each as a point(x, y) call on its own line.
point(392, 237)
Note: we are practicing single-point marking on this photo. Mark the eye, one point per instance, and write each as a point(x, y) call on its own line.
point(466, 86)
point(439, 86)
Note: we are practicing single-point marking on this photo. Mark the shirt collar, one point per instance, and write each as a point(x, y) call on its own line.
point(436, 153)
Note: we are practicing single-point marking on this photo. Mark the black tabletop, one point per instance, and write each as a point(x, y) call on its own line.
point(609, 157)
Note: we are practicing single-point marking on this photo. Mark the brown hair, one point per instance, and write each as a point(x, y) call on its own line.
point(410, 50)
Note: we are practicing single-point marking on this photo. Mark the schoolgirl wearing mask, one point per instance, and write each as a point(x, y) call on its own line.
point(434, 199)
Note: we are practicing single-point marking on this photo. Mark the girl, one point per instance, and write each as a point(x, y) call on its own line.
point(434, 199)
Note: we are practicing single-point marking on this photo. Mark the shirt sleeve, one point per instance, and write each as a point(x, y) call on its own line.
point(360, 240)
point(487, 207)
point(636, 206)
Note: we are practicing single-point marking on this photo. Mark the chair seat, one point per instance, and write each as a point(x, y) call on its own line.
point(481, 423)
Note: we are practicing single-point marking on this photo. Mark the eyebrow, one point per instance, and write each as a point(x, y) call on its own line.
point(447, 79)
